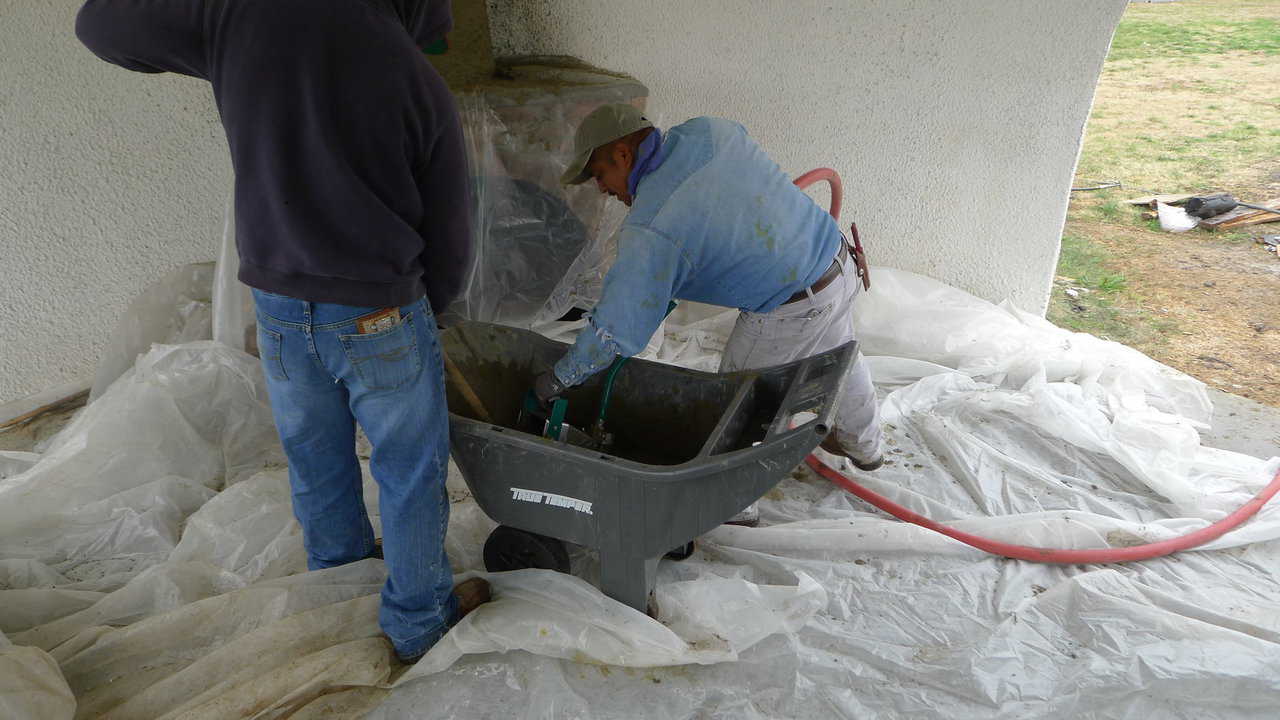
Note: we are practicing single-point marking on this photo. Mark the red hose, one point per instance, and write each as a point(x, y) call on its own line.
point(833, 178)
point(1053, 555)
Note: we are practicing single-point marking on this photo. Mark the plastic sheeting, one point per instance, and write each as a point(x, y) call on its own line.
point(541, 249)
point(31, 686)
point(233, 314)
point(177, 308)
point(150, 551)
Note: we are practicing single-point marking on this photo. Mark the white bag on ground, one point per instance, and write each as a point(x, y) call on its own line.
point(1174, 219)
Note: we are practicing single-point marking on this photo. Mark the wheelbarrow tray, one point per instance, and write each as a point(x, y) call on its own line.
point(691, 448)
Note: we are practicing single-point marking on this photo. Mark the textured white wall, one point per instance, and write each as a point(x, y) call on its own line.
point(108, 180)
point(955, 125)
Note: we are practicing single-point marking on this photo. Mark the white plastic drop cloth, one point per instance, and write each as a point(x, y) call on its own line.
point(177, 308)
point(150, 564)
point(31, 686)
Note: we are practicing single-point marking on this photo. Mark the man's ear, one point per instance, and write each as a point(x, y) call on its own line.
point(621, 154)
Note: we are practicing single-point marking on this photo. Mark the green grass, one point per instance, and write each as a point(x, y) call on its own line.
point(1109, 209)
point(1206, 156)
point(1137, 39)
point(1103, 310)
point(1235, 237)
point(1088, 265)
point(1112, 284)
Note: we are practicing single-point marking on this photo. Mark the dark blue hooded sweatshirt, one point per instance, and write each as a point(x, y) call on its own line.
point(351, 182)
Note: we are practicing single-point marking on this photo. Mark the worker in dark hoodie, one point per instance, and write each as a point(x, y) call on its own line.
point(352, 228)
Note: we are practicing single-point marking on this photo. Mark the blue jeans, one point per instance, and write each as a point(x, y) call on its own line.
point(323, 378)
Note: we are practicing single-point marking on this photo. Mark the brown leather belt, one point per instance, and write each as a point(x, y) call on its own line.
point(827, 278)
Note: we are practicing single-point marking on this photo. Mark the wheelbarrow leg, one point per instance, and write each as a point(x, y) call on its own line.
point(628, 579)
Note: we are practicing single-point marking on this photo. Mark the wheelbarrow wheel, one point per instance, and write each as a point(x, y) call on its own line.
point(681, 553)
point(510, 548)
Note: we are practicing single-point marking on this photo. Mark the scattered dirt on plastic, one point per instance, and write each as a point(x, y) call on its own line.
point(584, 659)
point(680, 671)
point(930, 653)
point(1122, 538)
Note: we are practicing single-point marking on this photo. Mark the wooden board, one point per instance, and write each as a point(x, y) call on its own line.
point(77, 398)
point(1150, 200)
point(1242, 217)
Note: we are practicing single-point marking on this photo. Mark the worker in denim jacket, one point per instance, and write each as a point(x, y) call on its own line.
point(714, 220)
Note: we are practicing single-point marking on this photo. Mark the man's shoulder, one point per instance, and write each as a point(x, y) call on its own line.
point(689, 146)
point(708, 127)
point(688, 149)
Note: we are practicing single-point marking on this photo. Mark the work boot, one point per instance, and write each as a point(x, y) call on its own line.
point(833, 445)
point(749, 516)
point(471, 594)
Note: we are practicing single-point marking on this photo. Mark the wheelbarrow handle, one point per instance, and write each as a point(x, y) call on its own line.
point(821, 377)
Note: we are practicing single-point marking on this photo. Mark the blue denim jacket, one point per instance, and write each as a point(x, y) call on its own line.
point(714, 221)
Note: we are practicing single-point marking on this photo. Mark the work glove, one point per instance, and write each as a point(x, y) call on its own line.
point(548, 388)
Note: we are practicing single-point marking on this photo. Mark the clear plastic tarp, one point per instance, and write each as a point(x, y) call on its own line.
point(541, 249)
point(177, 308)
point(150, 566)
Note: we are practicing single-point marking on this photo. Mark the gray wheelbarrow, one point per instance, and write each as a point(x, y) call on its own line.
point(687, 450)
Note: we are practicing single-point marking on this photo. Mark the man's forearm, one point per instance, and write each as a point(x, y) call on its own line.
point(636, 296)
point(591, 353)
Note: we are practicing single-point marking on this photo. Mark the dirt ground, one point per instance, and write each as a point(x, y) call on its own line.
point(1179, 122)
point(1223, 299)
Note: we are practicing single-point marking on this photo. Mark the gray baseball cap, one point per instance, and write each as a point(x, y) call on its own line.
point(604, 125)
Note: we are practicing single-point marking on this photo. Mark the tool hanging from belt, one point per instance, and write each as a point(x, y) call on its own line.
point(860, 257)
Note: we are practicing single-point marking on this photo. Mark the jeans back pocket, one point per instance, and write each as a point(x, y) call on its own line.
point(385, 360)
point(270, 347)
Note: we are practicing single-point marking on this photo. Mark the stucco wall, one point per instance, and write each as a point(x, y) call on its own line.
point(955, 125)
point(108, 179)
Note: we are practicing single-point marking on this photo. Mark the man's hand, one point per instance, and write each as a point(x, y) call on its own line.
point(548, 388)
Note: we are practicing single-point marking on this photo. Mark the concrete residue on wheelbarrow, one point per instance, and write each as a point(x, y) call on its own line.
point(150, 566)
